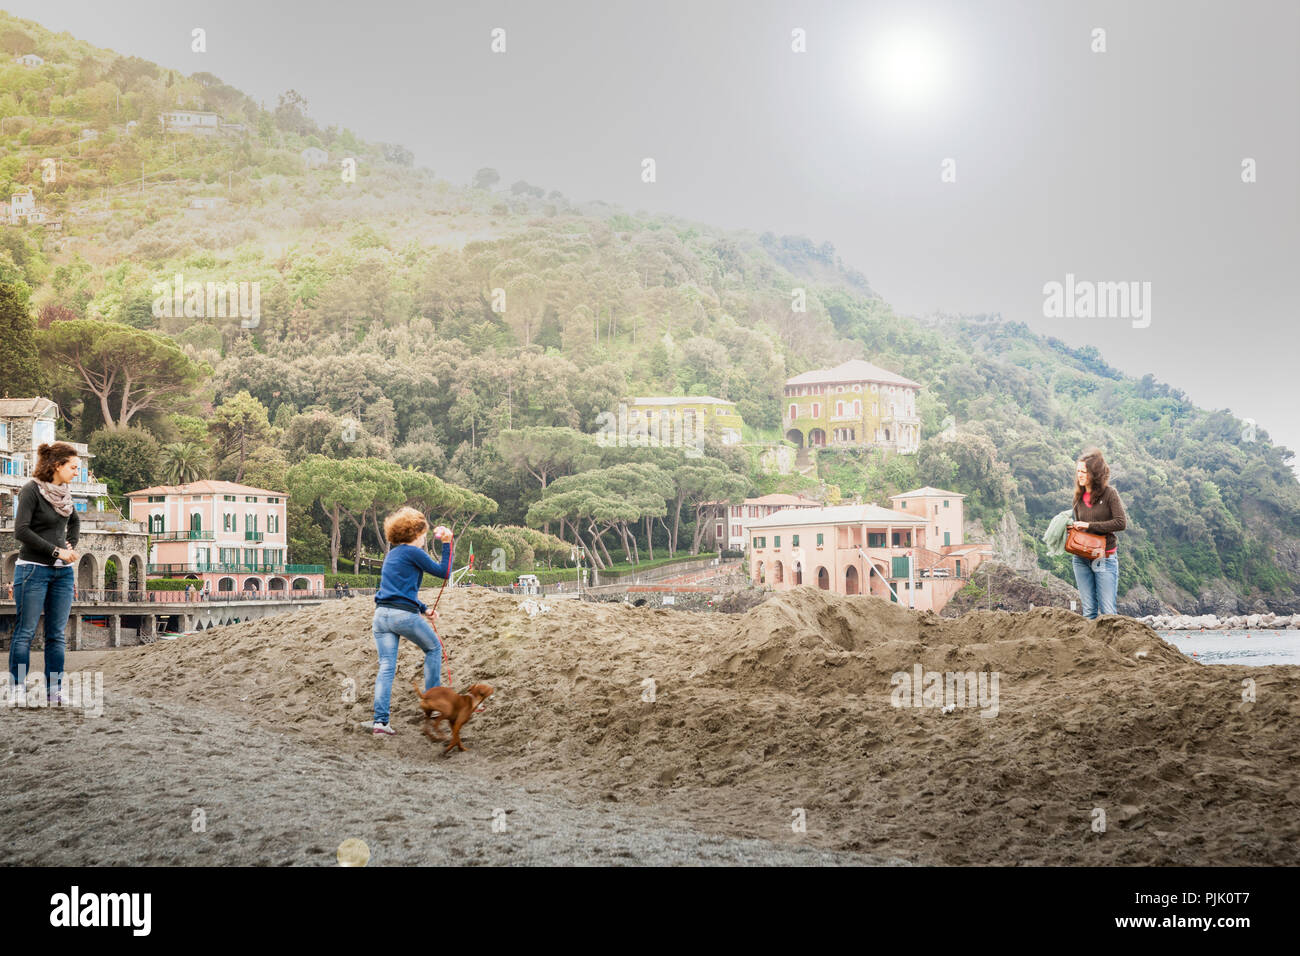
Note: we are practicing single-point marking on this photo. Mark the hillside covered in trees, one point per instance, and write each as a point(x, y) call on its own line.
point(382, 368)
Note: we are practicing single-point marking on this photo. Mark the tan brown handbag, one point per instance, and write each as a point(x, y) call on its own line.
point(1085, 545)
point(1088, 546)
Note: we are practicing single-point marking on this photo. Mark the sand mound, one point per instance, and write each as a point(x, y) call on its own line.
point(806, 639)
point(789, 705)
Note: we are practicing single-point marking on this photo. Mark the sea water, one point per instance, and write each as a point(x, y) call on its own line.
point(1234, 647)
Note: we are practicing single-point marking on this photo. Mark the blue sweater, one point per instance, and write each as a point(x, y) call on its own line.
point(404, 569)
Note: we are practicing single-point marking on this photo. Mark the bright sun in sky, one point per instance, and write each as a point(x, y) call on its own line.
point(907, 69)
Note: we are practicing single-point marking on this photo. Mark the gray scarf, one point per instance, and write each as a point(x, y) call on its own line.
point(59, 497)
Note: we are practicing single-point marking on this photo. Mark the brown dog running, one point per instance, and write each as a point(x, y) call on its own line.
point(455, 709)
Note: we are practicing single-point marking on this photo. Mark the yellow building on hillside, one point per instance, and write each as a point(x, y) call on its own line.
point(708, 415)
point(855, 404)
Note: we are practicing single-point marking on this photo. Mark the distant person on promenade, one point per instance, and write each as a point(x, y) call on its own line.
point(47, 527)
point(1097, 510)
point(399, 612)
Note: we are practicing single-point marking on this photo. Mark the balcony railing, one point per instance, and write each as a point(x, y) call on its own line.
point(184, 536)
point(236, 568)
point(253, 535)
point(85, 596)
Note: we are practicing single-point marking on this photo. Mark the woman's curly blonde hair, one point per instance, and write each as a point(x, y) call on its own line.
point(404, 525)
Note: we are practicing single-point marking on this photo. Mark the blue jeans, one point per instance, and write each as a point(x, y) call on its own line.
point(1098, 583)
point(39, 589)
point(389, 625)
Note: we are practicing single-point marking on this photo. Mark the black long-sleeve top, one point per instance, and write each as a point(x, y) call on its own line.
point(40, 529)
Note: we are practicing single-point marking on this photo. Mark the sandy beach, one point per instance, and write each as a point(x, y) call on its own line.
point(786, 712)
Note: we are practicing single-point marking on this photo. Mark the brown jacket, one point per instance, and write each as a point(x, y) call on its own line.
point(1104, 517)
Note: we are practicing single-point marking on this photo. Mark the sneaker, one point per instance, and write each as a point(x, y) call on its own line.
point(383, 730)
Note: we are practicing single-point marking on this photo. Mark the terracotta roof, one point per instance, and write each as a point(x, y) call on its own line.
point(928, 492)
point(854, 370)
point(206, 488)
point(839, 514)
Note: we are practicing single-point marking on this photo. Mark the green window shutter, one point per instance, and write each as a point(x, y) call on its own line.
point(794, 541)
point(900, 567)
point(946, 536)
point(819, 538)
point(776, 541)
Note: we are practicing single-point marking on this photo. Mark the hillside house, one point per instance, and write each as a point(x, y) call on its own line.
point(189, 121)
point(853, 405)
point(711, 416)
point(29, 60)
point(21, 205)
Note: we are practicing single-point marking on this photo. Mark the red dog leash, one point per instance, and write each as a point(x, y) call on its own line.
point(446, 660)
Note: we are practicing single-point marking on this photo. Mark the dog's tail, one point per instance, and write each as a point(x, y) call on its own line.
point(415, 686)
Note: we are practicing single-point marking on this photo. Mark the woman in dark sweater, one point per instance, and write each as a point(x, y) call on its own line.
point(1097, 510)
point(47, 527)
point(399, 612)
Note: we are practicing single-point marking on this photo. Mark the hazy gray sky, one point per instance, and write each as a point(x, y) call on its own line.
point(1115, 166)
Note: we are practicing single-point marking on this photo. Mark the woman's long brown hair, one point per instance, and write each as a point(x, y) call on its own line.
point(50, 456)
point(1098, 474)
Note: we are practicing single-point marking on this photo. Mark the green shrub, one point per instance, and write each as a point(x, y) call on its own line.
point(171, 584)
point(352, 580)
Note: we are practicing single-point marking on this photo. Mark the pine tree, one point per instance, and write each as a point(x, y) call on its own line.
point(20, 366)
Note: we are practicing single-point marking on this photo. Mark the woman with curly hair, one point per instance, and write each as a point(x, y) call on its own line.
point(399, 612)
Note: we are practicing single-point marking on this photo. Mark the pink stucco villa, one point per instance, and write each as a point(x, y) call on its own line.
point(912, 553)
point(228, 536)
